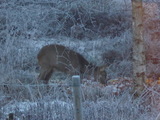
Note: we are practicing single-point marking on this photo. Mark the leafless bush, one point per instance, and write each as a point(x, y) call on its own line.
point(57, 18)
point(30, 20)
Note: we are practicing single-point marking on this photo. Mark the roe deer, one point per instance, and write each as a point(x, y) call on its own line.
point(57, 57)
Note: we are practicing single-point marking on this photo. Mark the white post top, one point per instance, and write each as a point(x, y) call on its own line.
point(76, 80)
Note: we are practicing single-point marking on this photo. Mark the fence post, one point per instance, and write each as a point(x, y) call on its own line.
point(77, 97)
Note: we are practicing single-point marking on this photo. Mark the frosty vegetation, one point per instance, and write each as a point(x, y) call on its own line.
point(100, 30)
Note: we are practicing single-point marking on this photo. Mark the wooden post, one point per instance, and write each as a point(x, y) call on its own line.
point(77, 97)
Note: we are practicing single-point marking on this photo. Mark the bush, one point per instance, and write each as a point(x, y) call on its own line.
point(57, 18)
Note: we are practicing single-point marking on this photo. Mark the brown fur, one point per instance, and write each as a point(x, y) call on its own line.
point(57, 57)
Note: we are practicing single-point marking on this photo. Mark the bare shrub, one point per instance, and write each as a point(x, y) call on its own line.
point(57, 18)
point(97, 20)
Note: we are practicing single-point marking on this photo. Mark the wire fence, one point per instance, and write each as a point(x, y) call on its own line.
point(38, 85)
point(76, 89)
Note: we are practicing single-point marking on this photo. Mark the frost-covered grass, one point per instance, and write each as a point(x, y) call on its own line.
point(100, 32)
point(98, 102)
point(113, 108)
point(56, 110)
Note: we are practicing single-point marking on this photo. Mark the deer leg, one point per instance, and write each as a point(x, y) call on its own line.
point(48, 75)
point(45, 74)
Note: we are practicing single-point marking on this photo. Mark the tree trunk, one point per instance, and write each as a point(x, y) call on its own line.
point(139, 60)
